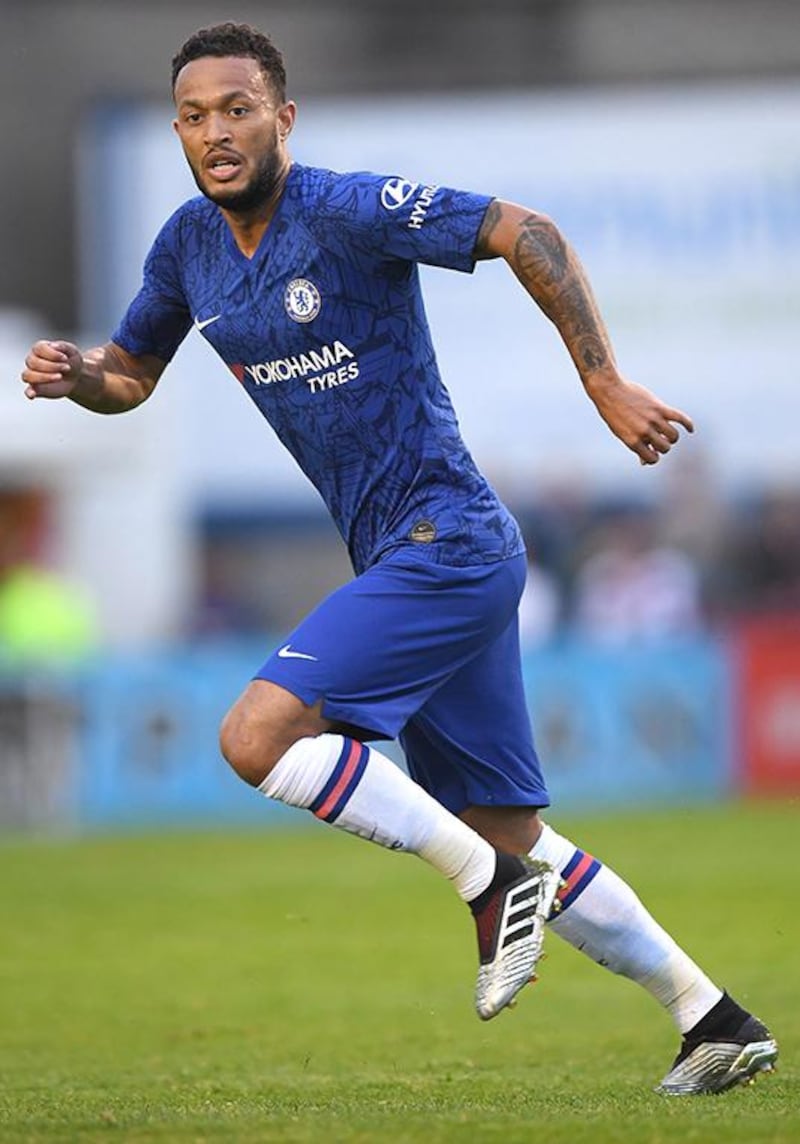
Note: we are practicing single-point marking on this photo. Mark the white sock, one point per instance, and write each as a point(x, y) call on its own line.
point(603, 917)
point(356, 788)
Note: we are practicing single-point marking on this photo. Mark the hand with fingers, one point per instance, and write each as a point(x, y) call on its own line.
point(52, 369)
point(639, 419)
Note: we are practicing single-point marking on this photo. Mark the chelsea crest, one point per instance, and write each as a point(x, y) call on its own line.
point(302, 300)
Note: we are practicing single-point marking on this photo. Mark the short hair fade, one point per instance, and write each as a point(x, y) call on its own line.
point(231, 39)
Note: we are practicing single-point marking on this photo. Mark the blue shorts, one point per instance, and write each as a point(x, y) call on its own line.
point(429, 654)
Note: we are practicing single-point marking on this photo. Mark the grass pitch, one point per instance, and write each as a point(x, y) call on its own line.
point(306, 987)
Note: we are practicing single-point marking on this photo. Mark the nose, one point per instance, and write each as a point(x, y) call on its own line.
point(218, 128)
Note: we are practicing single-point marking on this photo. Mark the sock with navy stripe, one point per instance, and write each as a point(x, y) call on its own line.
point(356, 788)
point(604, 918)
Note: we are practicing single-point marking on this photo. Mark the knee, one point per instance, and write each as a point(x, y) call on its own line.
point(262, 725)
point(247, 746)
point(514, 829)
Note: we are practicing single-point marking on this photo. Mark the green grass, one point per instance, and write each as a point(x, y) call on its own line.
point(308, 987)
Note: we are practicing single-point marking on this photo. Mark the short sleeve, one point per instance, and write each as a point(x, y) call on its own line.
point(390, 217)
point(158, 318)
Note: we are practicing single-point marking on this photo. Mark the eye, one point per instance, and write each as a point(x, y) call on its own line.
point(192, 118)
point(238, 112)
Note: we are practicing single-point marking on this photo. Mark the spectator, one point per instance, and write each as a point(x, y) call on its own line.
point(633, 588)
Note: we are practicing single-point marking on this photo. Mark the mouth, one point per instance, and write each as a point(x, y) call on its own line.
point(222, 166)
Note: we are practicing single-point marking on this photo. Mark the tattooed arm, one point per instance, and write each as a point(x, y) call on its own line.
point(551, 272)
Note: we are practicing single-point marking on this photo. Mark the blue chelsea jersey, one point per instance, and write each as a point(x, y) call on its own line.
point(326, 330)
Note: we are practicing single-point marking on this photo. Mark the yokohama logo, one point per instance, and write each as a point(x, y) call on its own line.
point(328, 357)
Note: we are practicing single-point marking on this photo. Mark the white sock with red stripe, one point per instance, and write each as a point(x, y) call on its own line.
point(357, 789)
point(603, 917)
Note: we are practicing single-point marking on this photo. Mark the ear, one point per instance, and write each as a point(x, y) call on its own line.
point(287, 113)
point(176, 126)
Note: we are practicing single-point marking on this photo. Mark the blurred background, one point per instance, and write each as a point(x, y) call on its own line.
point(149, 563)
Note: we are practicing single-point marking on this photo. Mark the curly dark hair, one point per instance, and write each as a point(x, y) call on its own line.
point(235, 40)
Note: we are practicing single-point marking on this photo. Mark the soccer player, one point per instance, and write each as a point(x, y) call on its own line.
point(305, 282)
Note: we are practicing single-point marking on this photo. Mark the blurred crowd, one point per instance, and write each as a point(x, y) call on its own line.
point(43, 616)
point(615, 572)
point(604, 570)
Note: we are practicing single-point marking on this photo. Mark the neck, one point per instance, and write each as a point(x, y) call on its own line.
point(248, 226)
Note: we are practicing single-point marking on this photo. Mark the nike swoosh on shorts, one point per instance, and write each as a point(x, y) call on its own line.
point(286, 653)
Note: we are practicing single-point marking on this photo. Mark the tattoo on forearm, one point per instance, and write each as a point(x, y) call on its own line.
point(540, 252)
point(554, 277)
point(592, 353)
point(581, 327)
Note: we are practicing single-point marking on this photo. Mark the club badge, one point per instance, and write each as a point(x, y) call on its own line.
point(302, 300)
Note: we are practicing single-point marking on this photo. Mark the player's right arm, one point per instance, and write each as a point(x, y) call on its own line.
point(121, 374)
point(107, 379)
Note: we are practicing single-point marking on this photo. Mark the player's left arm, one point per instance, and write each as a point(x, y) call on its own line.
point(549, 269)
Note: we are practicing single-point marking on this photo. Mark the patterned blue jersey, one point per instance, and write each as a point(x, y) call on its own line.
point(325, 328)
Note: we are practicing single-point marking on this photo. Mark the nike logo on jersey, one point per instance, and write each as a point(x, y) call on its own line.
point(198, 325)
point(286, 653)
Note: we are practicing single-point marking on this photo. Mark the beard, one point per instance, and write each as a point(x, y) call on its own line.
point(258, 190)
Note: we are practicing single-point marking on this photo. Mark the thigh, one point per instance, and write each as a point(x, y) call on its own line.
point(374, 652)
point(471, 744)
